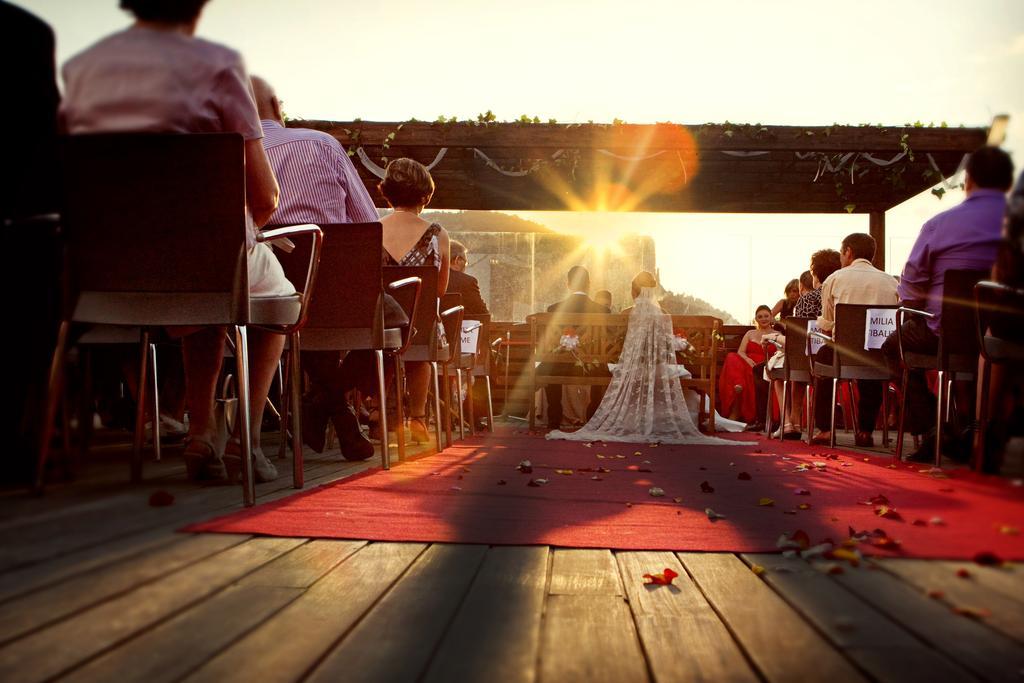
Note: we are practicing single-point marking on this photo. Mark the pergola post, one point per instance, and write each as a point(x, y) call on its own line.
point(876, 226)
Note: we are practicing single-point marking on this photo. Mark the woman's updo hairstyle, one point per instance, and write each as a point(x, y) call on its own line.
point(407, 182)
point(643, 279)
point(172, 11)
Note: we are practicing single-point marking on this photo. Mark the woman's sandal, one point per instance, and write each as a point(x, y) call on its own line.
point(201, 460)
point(418, 432)
point(263, 469)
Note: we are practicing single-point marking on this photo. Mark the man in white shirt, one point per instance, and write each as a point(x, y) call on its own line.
point(857, 282)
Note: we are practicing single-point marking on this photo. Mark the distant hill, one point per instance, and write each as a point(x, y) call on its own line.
point(684, 304)
point(483, 221)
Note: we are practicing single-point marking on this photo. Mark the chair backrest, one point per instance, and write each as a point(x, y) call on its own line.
point(347, 294)
point(704, 336)
point(427, 309)
point(797, 359)
point(482, 362)
point(957, 321)
point(452, 325)
point(850, 328)
point(999, 312)
point(156, 214)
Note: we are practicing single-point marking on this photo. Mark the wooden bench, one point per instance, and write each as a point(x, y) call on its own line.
point(601, 337)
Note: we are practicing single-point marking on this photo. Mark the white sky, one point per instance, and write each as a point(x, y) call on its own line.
point(801, 62)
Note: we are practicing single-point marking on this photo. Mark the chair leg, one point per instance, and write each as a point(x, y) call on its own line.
point(295, 411)
point(782, 409)
point(244, 416)
point(399, 407)
point(140, 409)
point(885, 415)
point(283, 384)
point(490, 405)
point(832, 432)
point(472, 410)
point(768, 413)
point(950, 399)
point(941, 391)
point(983, 408)
point(52, 399)
point(903, 417)
point(446, 382)
point(437, 403)
point(460, 397)
point(382, 390)
point(808, 410)
point(155, 407)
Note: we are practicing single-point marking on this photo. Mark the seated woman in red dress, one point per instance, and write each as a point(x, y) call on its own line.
point(741, 386)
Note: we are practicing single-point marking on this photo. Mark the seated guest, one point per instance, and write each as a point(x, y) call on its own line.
point(156, 76)
point(461, 282)
point(965, 237)
point(742, 388)
point(604, 297)
point(320, 185)
point(1004, 396)
point(411, 241)
point(578, 282)
point(783, 308)
point(823, 264)
point(857, 282)
point(27, 191)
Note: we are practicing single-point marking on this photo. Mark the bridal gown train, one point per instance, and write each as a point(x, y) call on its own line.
point(644, 402)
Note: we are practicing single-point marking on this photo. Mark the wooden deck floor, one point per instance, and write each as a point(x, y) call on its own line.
point(95, 585)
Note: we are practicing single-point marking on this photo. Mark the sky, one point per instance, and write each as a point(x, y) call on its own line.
point(796, 62)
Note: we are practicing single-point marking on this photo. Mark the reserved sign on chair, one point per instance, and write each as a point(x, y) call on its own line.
point(879, 323)
point(470, 335)
point(816, 344)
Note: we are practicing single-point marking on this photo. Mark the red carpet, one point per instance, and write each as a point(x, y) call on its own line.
point(458, 497)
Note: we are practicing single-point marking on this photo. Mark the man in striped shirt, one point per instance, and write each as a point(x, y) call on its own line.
point(319, 185)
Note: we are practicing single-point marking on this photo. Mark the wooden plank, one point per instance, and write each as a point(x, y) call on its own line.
point(584, 572)
point(169, 651)
point(1007, 580)
point(179, 645)
point(54, 538)
point(882, 648)
point(395, 640)
point(682, 636)
point(51, 651)
point(633, 136)
point(44, 607)
point(780, 643)
point(590, 638)
point(496, 633)
point(971, 644)
point(271, 652)
point(19, 582)
point(1007, 613)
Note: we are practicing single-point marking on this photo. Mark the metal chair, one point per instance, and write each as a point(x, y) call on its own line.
point(797, 369)
point(451, 320)
point(477, 363)
point(346, 312)
point(999, 321)
point(957, 355)
point(425, 344)
point(850, 360)
point(156, 235)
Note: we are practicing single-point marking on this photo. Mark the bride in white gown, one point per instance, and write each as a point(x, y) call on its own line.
point(644, 402)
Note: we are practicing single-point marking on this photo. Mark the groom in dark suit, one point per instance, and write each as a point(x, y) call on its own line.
point(579, 301)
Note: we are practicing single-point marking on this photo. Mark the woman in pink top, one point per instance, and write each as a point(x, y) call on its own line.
point(156, 76)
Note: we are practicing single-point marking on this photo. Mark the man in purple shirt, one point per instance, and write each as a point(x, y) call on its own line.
point(965, 237)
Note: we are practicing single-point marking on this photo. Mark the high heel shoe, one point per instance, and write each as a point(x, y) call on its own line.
point(418, 429)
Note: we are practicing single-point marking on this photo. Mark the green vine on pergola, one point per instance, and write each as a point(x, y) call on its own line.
point(843, 176)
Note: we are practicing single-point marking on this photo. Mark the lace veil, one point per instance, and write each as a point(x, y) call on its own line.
point(644, 402)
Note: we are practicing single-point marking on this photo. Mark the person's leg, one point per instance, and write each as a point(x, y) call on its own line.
point(554, 395)
point(264, 354)
point(917, 338)
point(823, 398)
point(869, 401)
point(202, 354)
